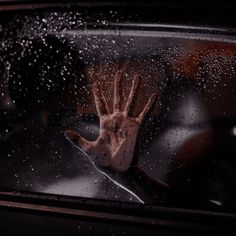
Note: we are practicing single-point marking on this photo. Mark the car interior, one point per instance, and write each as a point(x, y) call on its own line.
point(51, 55)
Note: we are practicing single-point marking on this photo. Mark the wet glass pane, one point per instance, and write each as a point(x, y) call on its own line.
point(173, 144)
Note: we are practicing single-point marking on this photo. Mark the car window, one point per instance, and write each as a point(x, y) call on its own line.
point(184, 147)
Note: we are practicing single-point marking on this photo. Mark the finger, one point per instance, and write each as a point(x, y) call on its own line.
point(117, 90)
point(99, 102)
point(147, 108)
point(104, 101)
point(77, 140)
point(132, 94)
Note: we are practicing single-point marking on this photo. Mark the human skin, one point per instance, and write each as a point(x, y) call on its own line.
point(114, 148)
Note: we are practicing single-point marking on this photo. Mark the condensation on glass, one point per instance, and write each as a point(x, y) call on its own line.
point(49, 63)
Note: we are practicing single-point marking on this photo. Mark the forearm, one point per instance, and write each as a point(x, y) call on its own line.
point(135, 180)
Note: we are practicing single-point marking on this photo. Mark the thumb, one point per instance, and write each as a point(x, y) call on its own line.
point(76, 139)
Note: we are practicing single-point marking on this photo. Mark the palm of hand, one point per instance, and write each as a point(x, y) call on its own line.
point(115, 145)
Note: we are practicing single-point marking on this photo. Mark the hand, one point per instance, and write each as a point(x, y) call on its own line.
point(114, 148)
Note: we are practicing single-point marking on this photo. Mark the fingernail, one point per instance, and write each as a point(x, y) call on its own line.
point(68, 134)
